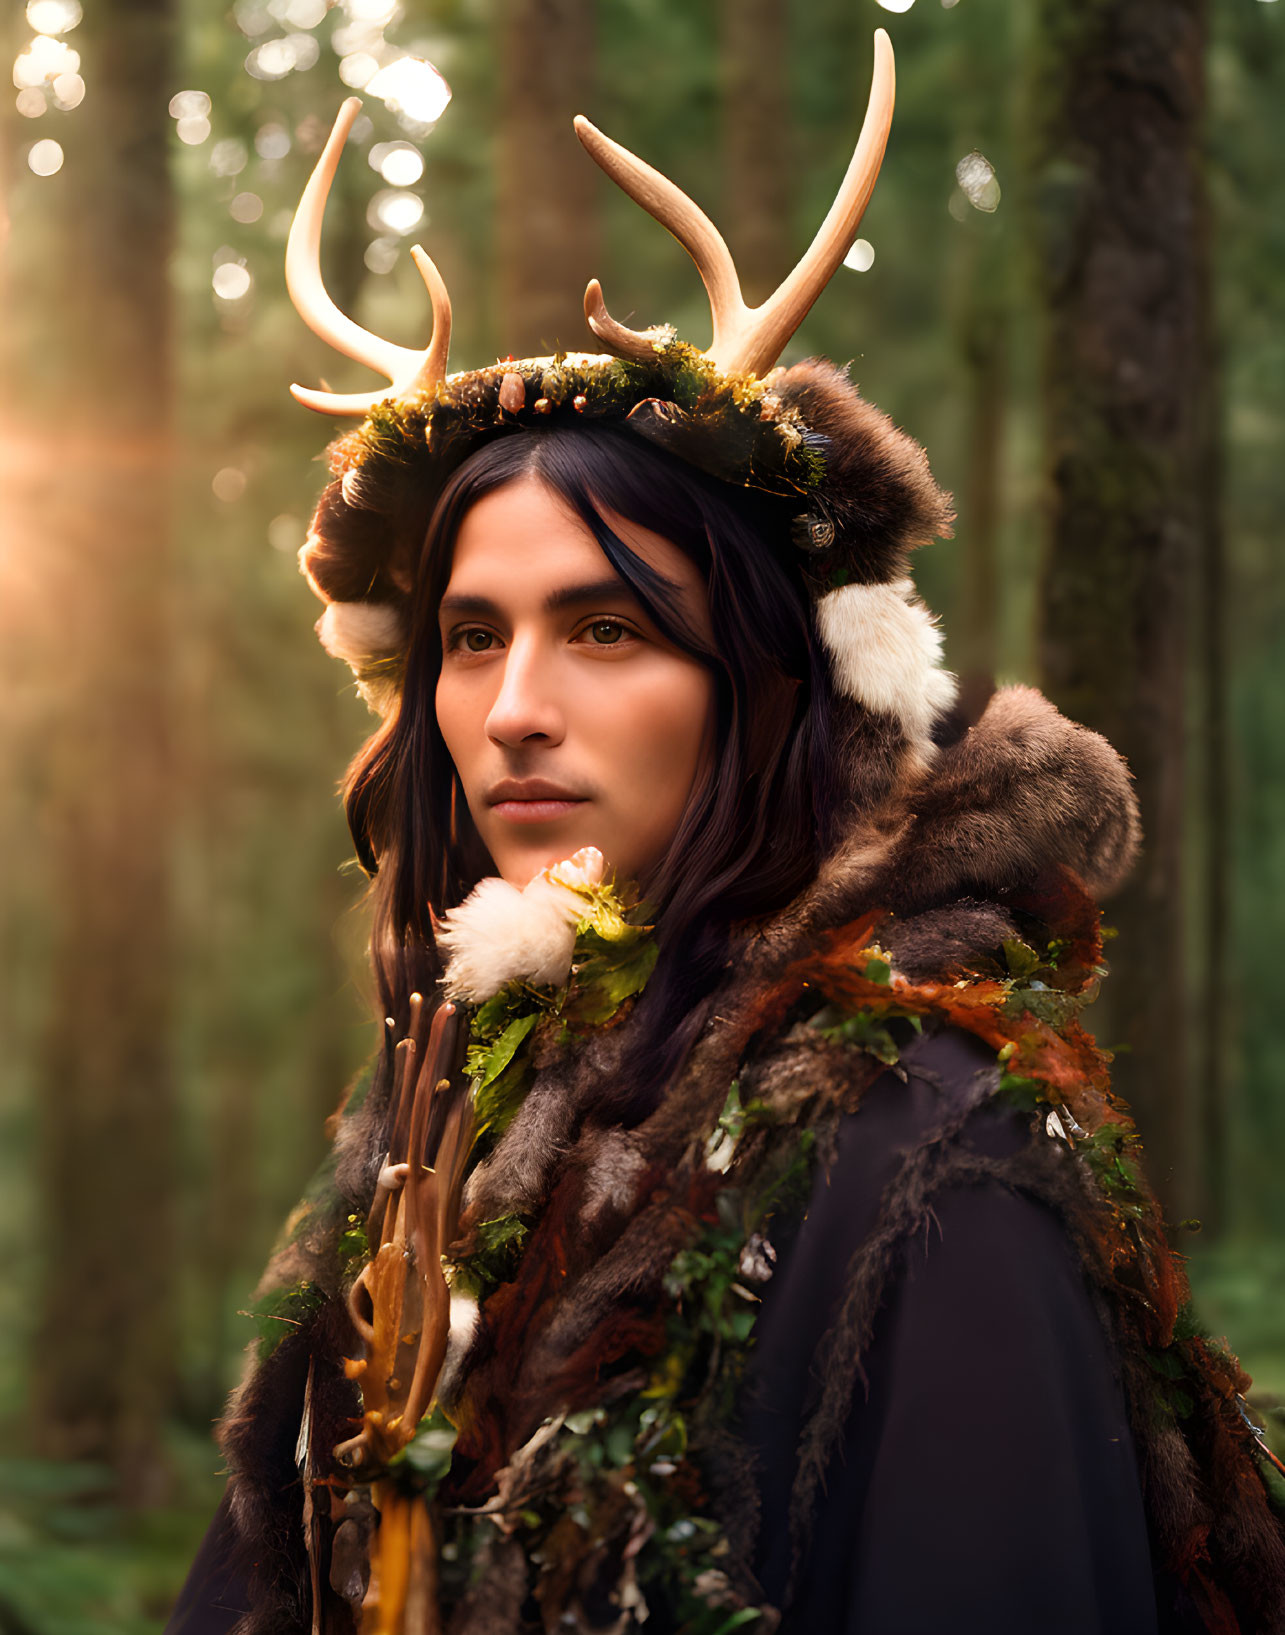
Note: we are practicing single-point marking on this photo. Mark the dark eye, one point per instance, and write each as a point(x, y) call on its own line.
point(606, 632)
point(478, 641)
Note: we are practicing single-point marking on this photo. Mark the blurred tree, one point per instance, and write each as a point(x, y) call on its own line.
point(546, 242)
point(982, 305)
point(757, 142)
point(104, 1366)
point(982, 337)
point(1240, 992)
point(1211, 980)
point(1118, 225)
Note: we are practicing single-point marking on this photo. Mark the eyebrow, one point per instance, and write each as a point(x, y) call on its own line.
point(596, 590)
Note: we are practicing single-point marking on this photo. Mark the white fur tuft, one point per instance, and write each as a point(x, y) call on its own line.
point(886, 651)
point(459, 1337)
point(500, 934)
point(358, 632)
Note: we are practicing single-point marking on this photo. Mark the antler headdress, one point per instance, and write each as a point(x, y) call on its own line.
point(411, 373)
point(747, 340)
point(860, 490)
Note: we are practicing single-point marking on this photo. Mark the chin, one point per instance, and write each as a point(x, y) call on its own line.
point(520, 864)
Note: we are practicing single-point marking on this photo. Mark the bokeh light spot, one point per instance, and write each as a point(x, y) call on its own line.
point(412, 88)
point(193, 131)
point(381, 255)
point(69, 92)
point(228, 484)
point(44, 59)
point(54, 16)
point(189, 105)
point(978, 182)
point(274, 59)
point(252, 18)
point(398, 163)
point(306, 50)
point(392, 211)
point(861, 257)
point(285, 534)
point(896, 5)
point(357, 69)
point(310, 134)
point(371, 11)
point(31, 103)
point(231, 281)
point(45, 158)
point(246, 207)
point(353, 37)
point(305, 13)
point(272, 141)
point(228, 157)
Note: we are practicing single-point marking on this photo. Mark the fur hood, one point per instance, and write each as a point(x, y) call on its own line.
point(1018, 799)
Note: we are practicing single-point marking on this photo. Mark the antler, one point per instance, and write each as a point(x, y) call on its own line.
point(408, 370)
point(746, 339)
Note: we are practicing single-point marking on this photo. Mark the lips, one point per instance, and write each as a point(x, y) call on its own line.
point(530, 789)
point(532, 800)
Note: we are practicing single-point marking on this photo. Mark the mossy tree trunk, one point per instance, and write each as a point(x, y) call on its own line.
point(103, 1366)
point(546, 242)
point(1116, 112)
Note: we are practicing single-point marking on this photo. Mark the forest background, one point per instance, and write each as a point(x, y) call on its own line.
point(1068, 286)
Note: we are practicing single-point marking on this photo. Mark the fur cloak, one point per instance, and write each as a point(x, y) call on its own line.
point(960, 897)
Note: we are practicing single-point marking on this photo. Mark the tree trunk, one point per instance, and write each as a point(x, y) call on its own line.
point(983, 309)
point(756, 145)
point(982, 328)
point(1218, 1010)
point(1120, 234)
point(103, 1367)
point(546, 243)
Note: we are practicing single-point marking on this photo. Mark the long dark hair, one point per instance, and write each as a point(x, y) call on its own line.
point(753, 832)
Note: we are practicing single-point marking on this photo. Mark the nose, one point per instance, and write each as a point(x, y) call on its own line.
point(526, 708)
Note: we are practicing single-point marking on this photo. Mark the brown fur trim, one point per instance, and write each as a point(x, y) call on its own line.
point(1022, 790)
point(878, 489)
point(1023, 794)
point(358, 553)
point(518, 1175)
point(966, 937)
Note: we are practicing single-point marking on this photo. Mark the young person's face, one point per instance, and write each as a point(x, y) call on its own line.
point(570, 719)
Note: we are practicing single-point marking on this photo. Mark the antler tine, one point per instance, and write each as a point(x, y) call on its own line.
point(639, 344)
point(689, 224)
point(432, 367)
point(770, 326)
point(746, 340)
point(407, 369)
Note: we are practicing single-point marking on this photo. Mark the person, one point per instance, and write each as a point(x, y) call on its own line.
point(735, 1229)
